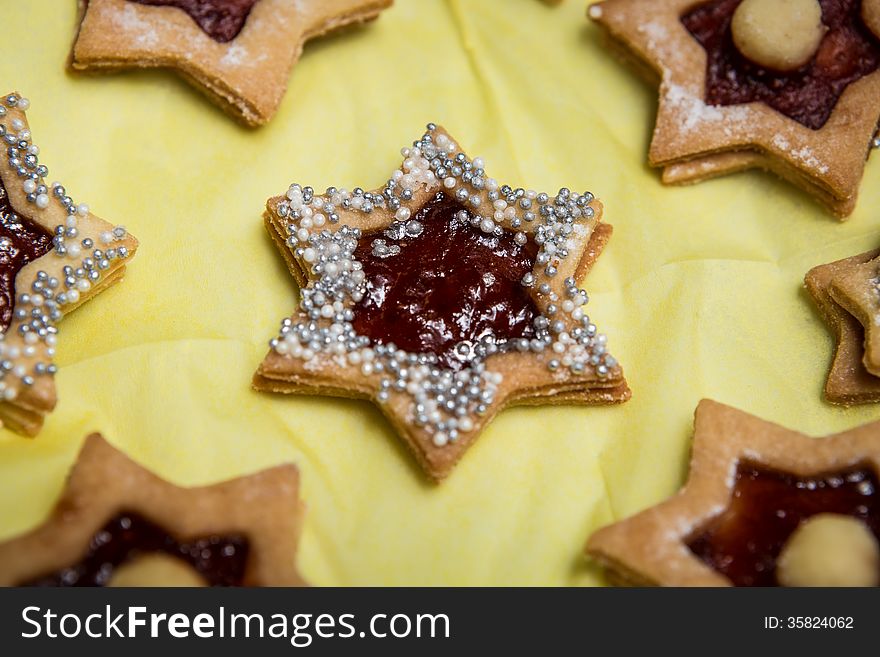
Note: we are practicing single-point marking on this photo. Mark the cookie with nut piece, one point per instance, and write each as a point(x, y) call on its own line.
point(762, 506)
point(790, 86)
point(117, 524)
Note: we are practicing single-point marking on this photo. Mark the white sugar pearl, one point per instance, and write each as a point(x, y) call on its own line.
point(327, 311)
point(42, 201)
point(440, 438)
point(402, 214)
point(19, 370)
point(82, 209)
point(9, 394)
point(74, 250)
point(282, 348)
point(487, 225)
point(366, 369)
point(72, 296)
point(70, 221)
point(309, 255)
point(29, 186)
point(23, 104)
point(31, 338)
point(83, 285)
point(319, 219)
point(478, 163)
point(17, 124)
point(465, 424)
point(106, 237)
point(449, 182)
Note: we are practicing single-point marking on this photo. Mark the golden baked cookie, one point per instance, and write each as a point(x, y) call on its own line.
point(848, 381)
point(751, 485)
point(239, 53)
point(721, 113)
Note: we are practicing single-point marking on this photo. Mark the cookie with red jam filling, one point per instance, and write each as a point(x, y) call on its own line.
point(442, 297)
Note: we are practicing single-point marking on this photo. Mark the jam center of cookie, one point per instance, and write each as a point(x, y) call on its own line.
point(21, 241)
point(847, 53)
point(220, 560)
point(222, 20)
point(744, 541)
point(447, 289)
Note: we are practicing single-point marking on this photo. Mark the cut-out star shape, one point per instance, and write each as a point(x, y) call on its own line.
point(848, 382)
point(112, 512)
point(54, 256)
point(239, 56)
point(659, 546)
point(442, 297)
point(694, 140)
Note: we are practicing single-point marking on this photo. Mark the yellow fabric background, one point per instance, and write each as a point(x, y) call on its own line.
point(699, 291)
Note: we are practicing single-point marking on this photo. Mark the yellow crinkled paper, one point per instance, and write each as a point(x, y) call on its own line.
point(700, 290)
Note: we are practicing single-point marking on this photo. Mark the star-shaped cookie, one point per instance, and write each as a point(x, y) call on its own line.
point(239, 53)
point(443, 297)
point(115, 519)
point(751, 484)
point(849, 382)
point(54, 256)
point(698, 136)
point(856, 288)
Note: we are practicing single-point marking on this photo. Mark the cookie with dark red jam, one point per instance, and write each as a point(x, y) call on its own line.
point(117, 524)
point(239, 53)
point(442, 297)
point(790, 86)
point(762, 506)
point(54, 256)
